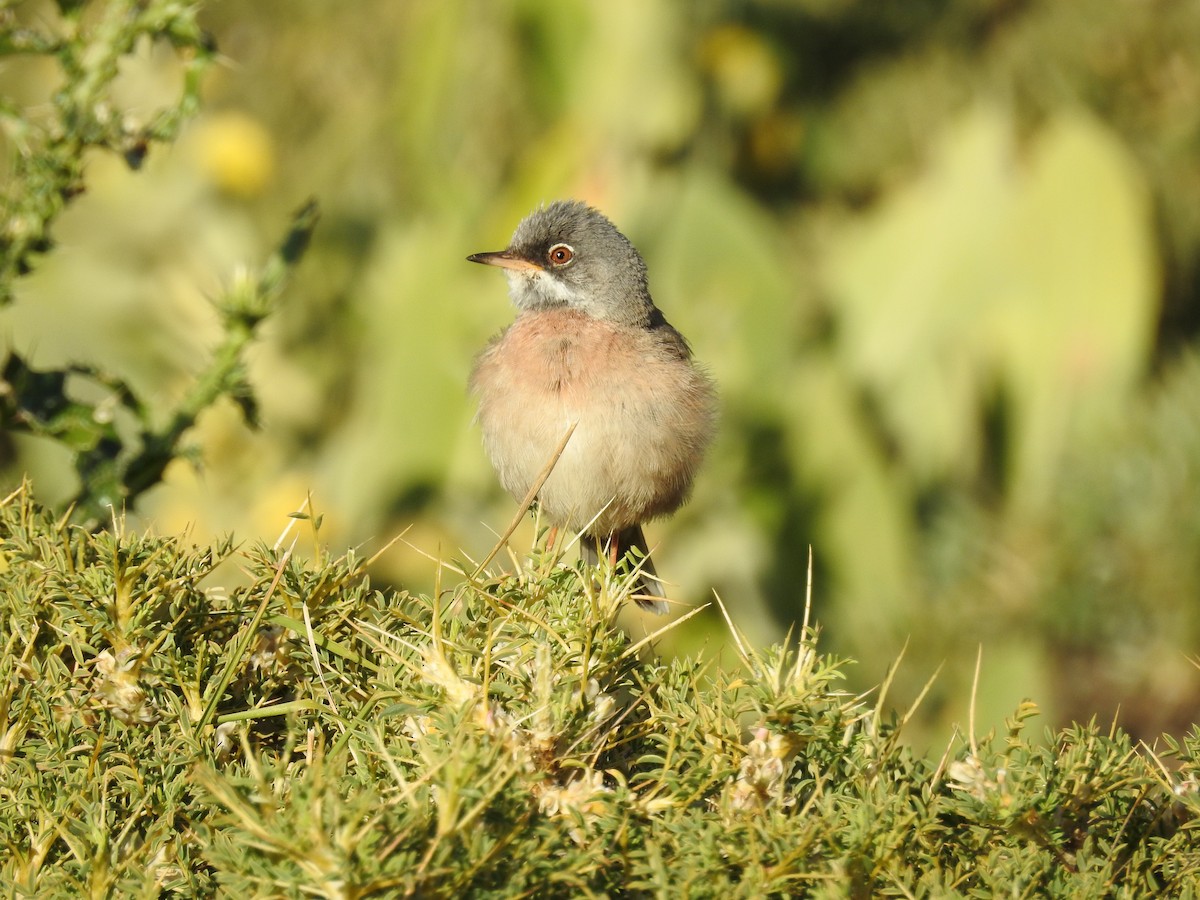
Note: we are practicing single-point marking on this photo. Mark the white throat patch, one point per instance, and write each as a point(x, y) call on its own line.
point(534, 287)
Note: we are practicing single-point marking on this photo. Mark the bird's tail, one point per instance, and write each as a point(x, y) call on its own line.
point(648, 590)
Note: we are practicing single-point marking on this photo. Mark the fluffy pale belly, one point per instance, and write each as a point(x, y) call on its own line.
point(643, 419)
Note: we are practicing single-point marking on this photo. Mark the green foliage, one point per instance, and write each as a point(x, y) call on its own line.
point(1104, 578)
point(114, 470)
point(48, 172)
point(926, 249)
point(930, 251)
point(113, 466)
point(304, 735)
point(963, 314)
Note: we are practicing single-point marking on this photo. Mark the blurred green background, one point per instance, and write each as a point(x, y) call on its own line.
point(941, 258)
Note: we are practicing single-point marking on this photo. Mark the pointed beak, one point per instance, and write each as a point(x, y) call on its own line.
point(505, 259)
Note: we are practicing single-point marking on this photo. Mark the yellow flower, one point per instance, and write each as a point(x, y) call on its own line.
point(236, 153)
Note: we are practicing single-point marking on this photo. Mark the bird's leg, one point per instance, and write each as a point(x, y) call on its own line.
point(614, 547)
point(551, 537)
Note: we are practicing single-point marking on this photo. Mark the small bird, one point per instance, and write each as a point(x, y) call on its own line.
point(589, 349)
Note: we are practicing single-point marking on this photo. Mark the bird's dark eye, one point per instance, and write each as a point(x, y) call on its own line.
point(560, 255)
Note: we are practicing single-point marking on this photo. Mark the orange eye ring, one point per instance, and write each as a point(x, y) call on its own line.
point(560, 255)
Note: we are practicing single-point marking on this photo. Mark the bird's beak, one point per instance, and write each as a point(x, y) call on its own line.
point(505, 259)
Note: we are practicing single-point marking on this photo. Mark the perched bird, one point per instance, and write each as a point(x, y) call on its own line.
point(590, 349)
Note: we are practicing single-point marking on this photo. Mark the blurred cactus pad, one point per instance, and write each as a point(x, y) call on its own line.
point(943, 261)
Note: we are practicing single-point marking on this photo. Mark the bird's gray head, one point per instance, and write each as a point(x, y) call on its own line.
point(569, 255)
